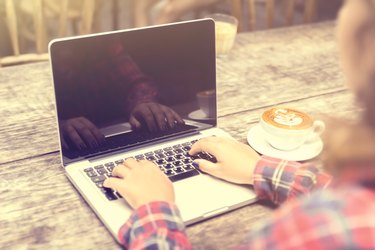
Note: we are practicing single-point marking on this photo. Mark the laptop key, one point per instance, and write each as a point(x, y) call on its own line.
point(102, 171)
point(118, 162)
point(184, 175)
point(188, 167)
point(169, 153)
point(109, 164)
point(168, 166)
point(151, 158)
point(99, 178)
point(99, 166)
point(139, 157)
point(169, 172)
point(160, 155)
point(179, 170)
point(91, 174)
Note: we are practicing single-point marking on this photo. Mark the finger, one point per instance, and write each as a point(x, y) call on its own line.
point(86, 134)
point(94, 130)
point(208, 144)
point(134, 123)
point(176, 116)
point(207, 166)
point(119, 185)
point(115, 184)
point(147, 163)
point(75, 137)
point(131, 163)
point(120, 171)
point(172, 117)
point(159, 116)
point(148, 117)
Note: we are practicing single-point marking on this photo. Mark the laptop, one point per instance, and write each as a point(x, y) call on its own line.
point(100, 79)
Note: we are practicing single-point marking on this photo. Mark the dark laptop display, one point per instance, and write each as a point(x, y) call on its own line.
point(118, 91)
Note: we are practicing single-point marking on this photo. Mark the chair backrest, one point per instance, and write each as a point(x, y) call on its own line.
point(246, 11)
point(39, 11)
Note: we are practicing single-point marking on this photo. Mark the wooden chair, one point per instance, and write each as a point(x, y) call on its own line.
point(40, 11)
point(246, 10)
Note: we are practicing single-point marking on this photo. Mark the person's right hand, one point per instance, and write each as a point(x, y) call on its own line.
point(235, 161)
point(140, 182)
point(81, 132)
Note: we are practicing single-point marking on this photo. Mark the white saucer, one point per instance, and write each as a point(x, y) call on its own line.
point(199, 115)
point(305, 152)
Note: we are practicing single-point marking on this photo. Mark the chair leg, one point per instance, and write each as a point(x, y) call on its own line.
point(310, 10)
point(40, 26)
point(12, 25)
point(236, 8)
point(289, 16)
point(252, 14)
point(270, 9)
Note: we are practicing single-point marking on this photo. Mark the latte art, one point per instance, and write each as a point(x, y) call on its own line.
point(287, 118)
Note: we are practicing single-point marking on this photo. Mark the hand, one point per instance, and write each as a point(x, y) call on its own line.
point(156, 116)
point(81, 132)
point(235, 161)
point(140, 182)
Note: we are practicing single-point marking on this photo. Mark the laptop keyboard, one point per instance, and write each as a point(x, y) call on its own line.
point(174, 161)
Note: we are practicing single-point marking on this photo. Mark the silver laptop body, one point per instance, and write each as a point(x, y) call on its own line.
point(89, 77)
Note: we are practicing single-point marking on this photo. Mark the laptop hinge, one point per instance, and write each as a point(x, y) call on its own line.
point(139, 145)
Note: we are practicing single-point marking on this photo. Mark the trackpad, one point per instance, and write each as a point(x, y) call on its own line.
point(205, 196)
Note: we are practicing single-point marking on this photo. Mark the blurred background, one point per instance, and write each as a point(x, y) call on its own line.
point(26, 26)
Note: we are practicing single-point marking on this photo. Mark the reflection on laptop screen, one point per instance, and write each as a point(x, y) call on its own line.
point(117, 90)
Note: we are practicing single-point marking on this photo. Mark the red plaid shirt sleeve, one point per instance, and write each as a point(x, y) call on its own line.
point(157, 225)
point(279, 180)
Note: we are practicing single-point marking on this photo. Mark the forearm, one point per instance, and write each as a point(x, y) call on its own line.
point(157, 225)
point(279, 180)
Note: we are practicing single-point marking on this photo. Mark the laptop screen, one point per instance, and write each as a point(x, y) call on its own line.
point(115, 91)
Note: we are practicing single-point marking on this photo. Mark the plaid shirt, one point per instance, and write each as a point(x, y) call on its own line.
point(337, 217)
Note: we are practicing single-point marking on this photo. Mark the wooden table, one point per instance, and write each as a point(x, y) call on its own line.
point(40, 209)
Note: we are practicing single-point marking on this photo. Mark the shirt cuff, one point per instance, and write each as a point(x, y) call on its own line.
point(278, 180)
point(151, 217)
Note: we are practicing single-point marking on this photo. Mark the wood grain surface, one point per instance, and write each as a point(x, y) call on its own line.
point(296, 67)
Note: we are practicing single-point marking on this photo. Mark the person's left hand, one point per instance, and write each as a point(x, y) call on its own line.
point(155, 116)
point(235, 161)
point(140, 182)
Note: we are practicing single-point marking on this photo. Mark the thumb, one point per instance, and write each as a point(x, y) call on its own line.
point(207, 166)
point(134, 122)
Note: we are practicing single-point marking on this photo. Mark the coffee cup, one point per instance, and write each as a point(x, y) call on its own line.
point(206, 102)
point(225, 31)
point(288, 129)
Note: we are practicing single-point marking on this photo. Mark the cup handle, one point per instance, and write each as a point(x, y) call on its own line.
point(318, 129)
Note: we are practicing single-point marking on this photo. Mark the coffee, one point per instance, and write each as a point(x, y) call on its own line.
point(206, 101)
point(287, 129)
point(287, 118)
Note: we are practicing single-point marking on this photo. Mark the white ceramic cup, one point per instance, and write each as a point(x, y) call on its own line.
point(225, 31)
point(206, 102)
point(287, 129)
